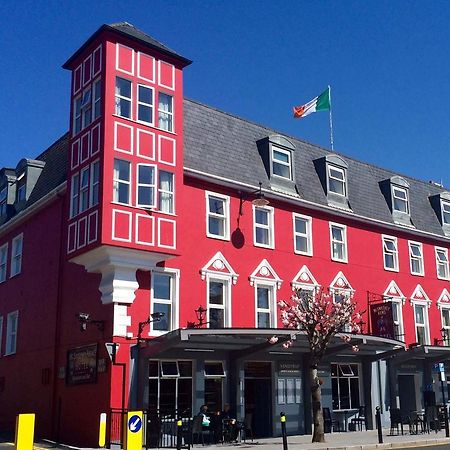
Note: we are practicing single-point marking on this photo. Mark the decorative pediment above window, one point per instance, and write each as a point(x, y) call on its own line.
point(340, 283)
point(419, 295)
point(265, 272)
point(304, 280)
point(218, 265)
point(444, 299)
point(393, 292)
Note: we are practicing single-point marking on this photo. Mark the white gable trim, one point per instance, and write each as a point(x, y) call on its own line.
point(346, 287)
point(219, 261)
point(389, 296)
point(264, 265)
point(419, 296)
point(300, 283)
point(442, 303)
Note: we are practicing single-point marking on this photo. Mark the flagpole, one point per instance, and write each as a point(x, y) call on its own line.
point(331, 121)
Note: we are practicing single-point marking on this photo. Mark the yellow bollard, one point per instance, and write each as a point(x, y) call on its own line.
point(133, 431)
point(24, 432)
point(102, 430)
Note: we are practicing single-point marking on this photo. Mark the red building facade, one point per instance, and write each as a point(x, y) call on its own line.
point(149, 208)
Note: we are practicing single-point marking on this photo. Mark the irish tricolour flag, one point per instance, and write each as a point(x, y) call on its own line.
point(320, 103)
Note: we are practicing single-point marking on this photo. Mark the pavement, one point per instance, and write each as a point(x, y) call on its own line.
point(356, 440)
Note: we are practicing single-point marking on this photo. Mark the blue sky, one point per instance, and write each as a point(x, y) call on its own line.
point(387, 62)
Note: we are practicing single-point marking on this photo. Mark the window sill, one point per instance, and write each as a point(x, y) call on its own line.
point(303, 253)
point(270, 247)
point(15, 275)
point(145, 124)
point(9, 354)
point(220, 238)
point(438, 277)
point(343, 261)
point(388, 269)
point(418, 274)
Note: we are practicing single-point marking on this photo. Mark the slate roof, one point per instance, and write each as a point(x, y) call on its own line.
point(130, 31)
point(224, 145)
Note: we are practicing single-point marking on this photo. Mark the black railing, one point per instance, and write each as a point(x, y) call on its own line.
point(160, 430)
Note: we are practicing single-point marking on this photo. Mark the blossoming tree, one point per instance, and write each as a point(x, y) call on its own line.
point(320, 316)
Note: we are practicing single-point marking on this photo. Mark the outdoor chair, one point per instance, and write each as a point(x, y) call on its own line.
point(431, 419)
point(360, 419)
point(199, 432)
point(329, 424)
point(416, 420)
point(397, 420)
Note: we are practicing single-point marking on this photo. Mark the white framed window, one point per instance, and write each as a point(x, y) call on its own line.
point(123, 97)
point(265, 305)
point(84, 189)
point(345, 386)
point(77, 115)
point(16, 255)
point(3, 263)
point(400, 200)
point(74, 195)
point(97, 99)
point(12, 320)
point(445, 317)
point(263, 228)
point(166, 192)
point(281, 163)
point(338, 242)
point(390, 253)
point(416, 258)
point(3, 200)
point(165, 111)
point(397, 316)
point(121, 181)
point(218, 302)
point(421, 323)
point(144, 105)
point(336, 180)
point(442, 269)
point(217, 216)
point(94, 183)
point(302, 234)
point(445, 211)
point(164, 299)
point(146, 186)
point(86, 108)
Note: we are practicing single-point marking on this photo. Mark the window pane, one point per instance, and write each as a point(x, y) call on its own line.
point(216, 226)
point(354, 392)
point(121, 170)
point(337, 234)
point(335, 393)
point(281, 170)
point(390, 246)
point(261, 216)
point(301, 244)
point(216, 205)
point(336, 186)
point(344, 393)
point(300, 226)
point(280, 156)
point(263, 298)
point(216, 318)
point(421, 335)
point(145, 95)
point(446, 317)
point(263, 320)
point(146, 175)
point(164, 323)
point(262, 236)
point(420, 314)
point(123, 87)
point(123, 108)
point(144, 113)
point(123, 193)
point(338, 251)
point(216, 291)
point(161, 286)
point(389, 261)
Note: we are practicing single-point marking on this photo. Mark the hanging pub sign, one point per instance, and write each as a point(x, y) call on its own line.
point(82, 365)
point(382, 320)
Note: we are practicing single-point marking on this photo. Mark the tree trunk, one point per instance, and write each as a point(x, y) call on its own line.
point(316, 402)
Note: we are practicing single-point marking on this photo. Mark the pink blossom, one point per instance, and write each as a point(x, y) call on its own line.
point(273, 340)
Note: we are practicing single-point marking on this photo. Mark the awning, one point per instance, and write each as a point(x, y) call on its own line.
point(431, 353)
point(244, 342)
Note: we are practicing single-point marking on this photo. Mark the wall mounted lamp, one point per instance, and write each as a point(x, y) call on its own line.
point(259, 200)
point(85, 319)
point(154, 317)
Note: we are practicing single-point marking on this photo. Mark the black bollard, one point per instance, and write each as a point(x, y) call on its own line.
point(378, 422)
point(283, 430)
point(179, 433)
point(447, 431)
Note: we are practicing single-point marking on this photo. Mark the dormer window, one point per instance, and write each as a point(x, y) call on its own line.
point(400, 200)
point(281, 163)
point(21, 188)
point(445, 211)
point(3, 198)
point(277, 154)
point(337, 180)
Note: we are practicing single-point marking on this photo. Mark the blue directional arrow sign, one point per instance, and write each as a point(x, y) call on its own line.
point(134, 423)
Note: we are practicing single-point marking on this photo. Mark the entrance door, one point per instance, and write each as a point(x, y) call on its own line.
point(407, 393)
point(258, 398)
